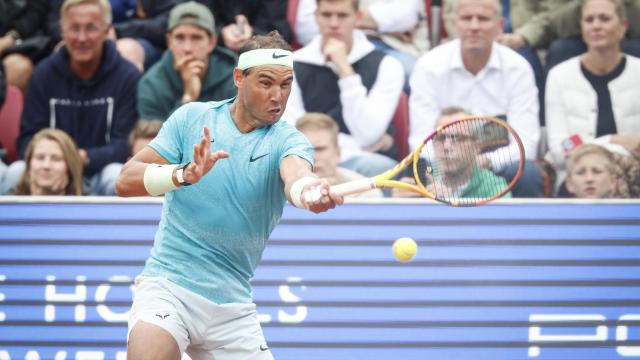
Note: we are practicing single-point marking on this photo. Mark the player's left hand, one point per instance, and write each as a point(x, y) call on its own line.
point(318, 197)
point(203, 159)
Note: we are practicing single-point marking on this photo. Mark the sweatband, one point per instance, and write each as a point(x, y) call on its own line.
point(259, 57)
point(158, 179)
point(296, 190)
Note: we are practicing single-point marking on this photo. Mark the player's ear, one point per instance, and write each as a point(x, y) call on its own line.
point(238, 77)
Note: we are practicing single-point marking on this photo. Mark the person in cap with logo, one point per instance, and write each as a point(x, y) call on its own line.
point(193, 68)
point(226, 169)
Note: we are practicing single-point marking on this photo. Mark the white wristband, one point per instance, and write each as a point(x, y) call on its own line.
point(296, 190)
point(158, 179)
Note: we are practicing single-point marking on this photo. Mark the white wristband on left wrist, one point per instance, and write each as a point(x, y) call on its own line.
point(158, 179)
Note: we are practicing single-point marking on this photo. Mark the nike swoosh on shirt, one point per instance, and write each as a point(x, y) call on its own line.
point(252, 159)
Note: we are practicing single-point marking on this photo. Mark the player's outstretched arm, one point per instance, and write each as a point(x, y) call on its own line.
point(148, 173)
point(299, 180)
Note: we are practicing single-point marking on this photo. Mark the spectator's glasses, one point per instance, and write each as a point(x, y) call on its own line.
point(453, 138)
point(89, 30)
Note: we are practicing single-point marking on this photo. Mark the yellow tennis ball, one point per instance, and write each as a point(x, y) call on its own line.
point(405, 249)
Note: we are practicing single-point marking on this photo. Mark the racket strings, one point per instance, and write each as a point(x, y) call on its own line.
point(456, 162)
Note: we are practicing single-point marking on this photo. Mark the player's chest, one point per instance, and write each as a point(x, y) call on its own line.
point(251, 171)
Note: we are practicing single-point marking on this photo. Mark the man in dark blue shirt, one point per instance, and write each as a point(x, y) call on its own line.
point(87, 90)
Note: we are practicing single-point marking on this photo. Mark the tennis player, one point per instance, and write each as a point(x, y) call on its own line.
point(225, 169)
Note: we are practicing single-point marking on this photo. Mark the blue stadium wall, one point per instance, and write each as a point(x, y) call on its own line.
point(511, 280)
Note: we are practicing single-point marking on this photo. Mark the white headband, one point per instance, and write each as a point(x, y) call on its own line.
point(259, 57)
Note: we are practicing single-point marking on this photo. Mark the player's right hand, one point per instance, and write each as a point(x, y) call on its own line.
point(318, 197)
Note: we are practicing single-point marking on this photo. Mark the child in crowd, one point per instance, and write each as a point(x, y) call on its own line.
point(597, 173)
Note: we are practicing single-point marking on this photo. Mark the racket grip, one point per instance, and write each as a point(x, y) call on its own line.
point(353, 187)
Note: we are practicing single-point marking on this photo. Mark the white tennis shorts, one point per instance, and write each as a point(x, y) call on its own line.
point(202, 328)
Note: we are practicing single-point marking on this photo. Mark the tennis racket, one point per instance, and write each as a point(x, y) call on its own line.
point(457, 164)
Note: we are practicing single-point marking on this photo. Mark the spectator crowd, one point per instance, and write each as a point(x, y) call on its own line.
point(96, 79)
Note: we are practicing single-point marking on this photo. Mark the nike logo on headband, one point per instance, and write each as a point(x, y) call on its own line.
point(276, 56)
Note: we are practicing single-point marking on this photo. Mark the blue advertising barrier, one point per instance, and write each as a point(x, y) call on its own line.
point(510, 280)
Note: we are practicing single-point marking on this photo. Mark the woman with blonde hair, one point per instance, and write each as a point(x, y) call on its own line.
point(593, 97)
point(53, 165)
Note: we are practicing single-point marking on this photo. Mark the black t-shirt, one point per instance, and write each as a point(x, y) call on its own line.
point(606, 119)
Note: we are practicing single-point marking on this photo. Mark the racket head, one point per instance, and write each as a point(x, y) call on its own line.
point(453, 164)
